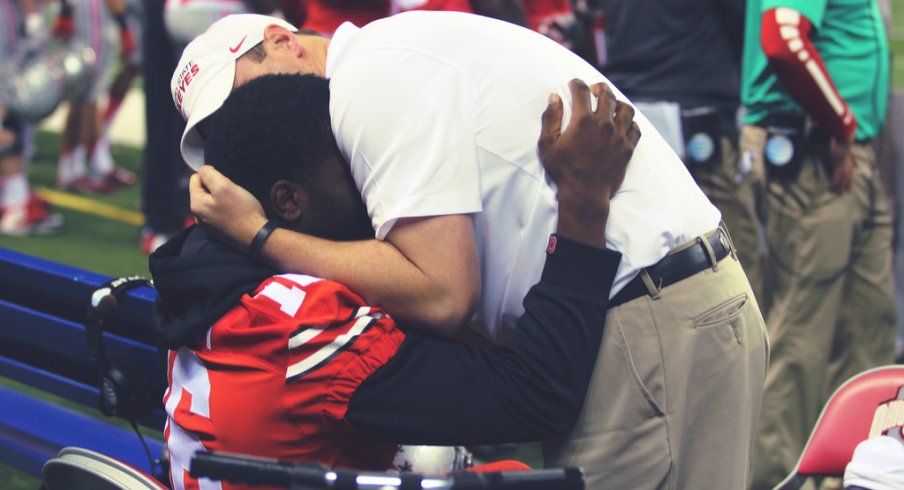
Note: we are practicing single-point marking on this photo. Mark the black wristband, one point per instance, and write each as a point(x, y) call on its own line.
point(257, 243)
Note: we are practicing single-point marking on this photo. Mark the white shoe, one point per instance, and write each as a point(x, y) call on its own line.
point(32, 218)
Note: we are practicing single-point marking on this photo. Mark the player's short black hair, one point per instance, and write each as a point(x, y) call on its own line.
point(271, 128)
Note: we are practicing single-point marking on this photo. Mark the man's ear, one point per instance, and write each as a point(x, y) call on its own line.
point(282, 38)
point(288, 200)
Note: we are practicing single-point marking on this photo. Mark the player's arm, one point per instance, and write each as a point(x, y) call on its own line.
point(785, 38)
point(535, 386)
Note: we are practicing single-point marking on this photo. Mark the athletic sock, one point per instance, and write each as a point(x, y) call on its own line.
point(13, 191)
point(101, 159)
point(72, 165)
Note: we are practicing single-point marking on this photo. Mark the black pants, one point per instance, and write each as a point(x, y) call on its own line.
point(164, 174)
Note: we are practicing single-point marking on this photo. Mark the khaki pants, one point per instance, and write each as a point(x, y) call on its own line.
point(676, 389)
point(832, 313)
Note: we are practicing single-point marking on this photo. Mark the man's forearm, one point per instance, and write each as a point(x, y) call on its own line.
point(376, 270)
point(425, 272)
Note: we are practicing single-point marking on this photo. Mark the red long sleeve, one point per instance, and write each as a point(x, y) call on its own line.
point(785, 37)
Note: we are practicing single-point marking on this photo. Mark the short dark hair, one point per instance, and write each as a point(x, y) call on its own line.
point(271, 128)
point(257, 54)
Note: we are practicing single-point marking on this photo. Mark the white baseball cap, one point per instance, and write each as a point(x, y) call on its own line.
point(204, 76)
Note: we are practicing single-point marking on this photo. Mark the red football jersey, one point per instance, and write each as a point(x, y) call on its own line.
point(274, 379)
point(548, 17)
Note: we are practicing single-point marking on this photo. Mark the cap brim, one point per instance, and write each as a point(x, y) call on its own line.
point(215, 92)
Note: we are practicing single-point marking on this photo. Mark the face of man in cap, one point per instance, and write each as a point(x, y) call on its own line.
point(286, 53)
point(234, 50)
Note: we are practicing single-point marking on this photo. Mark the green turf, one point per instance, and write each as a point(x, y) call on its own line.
point(896, 36)
point(13, 479)
point(87, 241)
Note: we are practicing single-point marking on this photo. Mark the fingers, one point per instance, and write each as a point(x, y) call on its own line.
point(551, 123)
point(624, 116)
point(197, 192)
point(606, 104)
point(843, 179)
point(580, 99)
point(195, 185)
point(207, 175)
point(198, 195)
point(844, 165)
point(633, 135)
point(212, 179)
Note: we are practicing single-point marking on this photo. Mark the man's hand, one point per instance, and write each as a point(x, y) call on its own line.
point(843, 163)
point(589, 160)
point(232, 212)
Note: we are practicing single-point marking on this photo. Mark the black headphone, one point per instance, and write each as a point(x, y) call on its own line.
point(119, 379)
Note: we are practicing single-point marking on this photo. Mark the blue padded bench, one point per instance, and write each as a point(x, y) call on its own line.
point(42, 344)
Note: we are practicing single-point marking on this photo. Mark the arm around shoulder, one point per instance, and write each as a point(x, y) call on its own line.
point(425, 274)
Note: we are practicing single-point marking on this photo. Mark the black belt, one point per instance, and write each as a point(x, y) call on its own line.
point(676, 267)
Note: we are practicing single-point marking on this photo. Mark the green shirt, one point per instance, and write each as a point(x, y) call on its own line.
point(849, 36)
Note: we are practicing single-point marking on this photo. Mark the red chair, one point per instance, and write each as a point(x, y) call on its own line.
point(868, 405)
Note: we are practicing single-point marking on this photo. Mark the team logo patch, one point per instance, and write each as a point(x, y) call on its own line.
point(551, 245)
point(888, 418)
point(238, 46)
point(186, 76)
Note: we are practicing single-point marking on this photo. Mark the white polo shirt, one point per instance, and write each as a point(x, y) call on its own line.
point(439, 114)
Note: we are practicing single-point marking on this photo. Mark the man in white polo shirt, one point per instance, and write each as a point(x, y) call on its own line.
point(436, 113)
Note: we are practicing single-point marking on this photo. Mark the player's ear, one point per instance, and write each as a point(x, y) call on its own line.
point(288, 200)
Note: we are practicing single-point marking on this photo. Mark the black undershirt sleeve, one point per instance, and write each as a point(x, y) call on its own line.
point(438, 391)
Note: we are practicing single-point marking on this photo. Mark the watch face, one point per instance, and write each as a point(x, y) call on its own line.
point(700, 147)
point(779, 150)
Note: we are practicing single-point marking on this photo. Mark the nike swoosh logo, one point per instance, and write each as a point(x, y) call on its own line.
point(238, 46)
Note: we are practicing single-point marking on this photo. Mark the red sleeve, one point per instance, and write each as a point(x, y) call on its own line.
point(785, 37)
